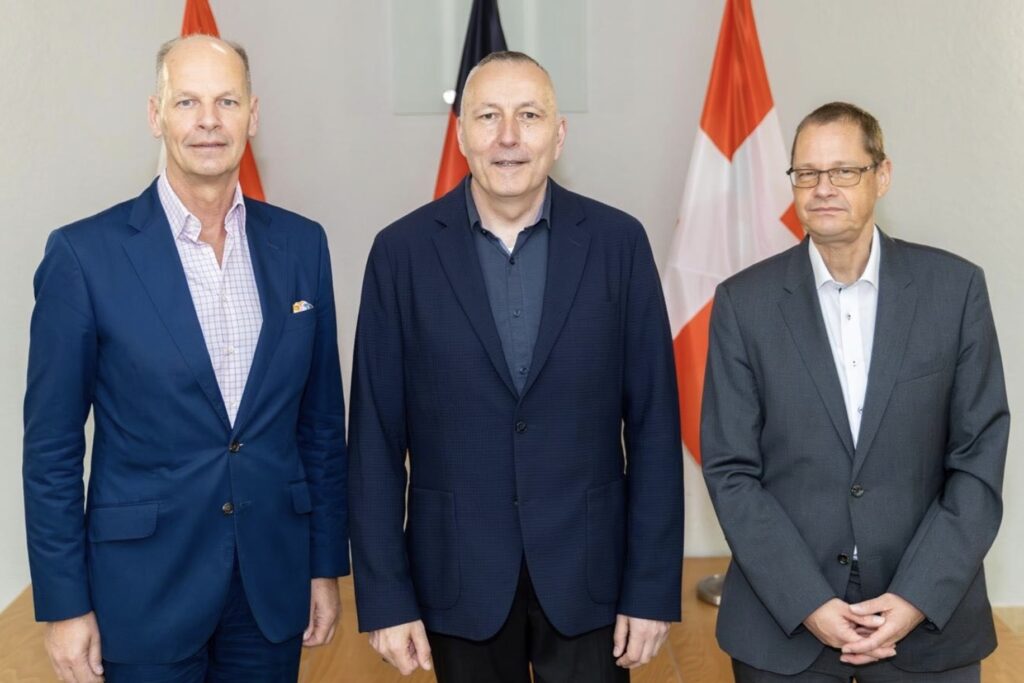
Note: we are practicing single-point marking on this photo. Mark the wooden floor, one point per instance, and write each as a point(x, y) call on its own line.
point(691, 654)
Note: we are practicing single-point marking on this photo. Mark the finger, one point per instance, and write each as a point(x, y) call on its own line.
point(647, 654)
point(857, 660)
point(872, 606)
point(95, 658)
point(422, 648)
point(82, 673)
point(620, 635)
point(635, 648)
point(878, 639)
point(871, 620)
point(330, 633)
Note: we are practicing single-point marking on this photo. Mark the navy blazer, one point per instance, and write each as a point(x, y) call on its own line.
point(920, 493)
point(114, 330)
point(496, 476)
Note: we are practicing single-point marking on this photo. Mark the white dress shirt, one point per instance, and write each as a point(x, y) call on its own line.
point(849, 313)
point(225, 297)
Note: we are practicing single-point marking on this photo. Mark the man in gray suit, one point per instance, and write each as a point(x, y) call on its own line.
point(854, 435)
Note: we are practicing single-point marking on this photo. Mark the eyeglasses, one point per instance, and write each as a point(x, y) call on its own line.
point(843, 176)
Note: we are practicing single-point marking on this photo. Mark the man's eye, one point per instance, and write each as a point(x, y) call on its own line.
point(489, 116)
point(806, 175)
point(844, 173)
point(229, 102)
point(184, 103)
point(530, 115)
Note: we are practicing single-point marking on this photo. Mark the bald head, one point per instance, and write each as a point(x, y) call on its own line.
point(197, 43)
point(509, 58)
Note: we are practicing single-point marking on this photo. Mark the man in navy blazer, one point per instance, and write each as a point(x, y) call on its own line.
point(200, 330)
point(512, 338)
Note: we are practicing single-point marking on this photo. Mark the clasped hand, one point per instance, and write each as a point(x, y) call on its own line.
point(867, 631)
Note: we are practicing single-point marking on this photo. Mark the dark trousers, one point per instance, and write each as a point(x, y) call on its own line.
point(527, 639)
point(236, 653)
point(828, 669)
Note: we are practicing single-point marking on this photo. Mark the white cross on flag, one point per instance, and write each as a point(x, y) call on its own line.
point(737, 204)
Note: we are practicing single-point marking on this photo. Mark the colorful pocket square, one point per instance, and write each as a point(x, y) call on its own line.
point(300, 306)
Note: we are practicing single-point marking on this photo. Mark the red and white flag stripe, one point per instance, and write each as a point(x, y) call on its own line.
point(737, 204)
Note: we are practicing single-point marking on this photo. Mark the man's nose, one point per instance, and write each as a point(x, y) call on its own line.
point(508, 133)
point(209, 117)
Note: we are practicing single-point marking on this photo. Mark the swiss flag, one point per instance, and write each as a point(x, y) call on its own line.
point(199, 19)
point(737, 205)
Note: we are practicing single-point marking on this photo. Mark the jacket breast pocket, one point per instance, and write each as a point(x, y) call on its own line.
point(122, 522)
point(606, 540)
point(433, 547)
point(300, 321)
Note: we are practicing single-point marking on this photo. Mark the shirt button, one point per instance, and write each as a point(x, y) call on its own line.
point(843, 559)
point(516, 313)
point(856, 490)
point(853, 363)
point(522, 371)
point(230, 350)
point(228, 509)
point(520, 426)
point(849, 317)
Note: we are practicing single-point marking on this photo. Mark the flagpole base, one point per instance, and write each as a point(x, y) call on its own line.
point(709, 589)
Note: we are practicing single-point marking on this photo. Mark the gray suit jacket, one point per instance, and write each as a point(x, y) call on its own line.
point(919, 495)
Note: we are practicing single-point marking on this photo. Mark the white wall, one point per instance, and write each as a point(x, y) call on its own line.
point(945, 80)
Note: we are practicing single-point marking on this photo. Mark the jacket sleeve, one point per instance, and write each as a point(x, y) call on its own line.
point(654, 538)
point(321, 434)
point(377, 473)
point(946, 551)
point(765, 544)
point(61, 379)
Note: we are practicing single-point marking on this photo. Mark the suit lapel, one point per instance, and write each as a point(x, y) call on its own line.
point(897, 299)
point(802, 313)
point(157, 264)
point(269, 255)
point(567, 255)
point(454, 244)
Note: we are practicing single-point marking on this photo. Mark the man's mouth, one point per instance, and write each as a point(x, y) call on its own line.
point(508, 163)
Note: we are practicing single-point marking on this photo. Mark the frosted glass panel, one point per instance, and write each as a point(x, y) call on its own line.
point(427, 40)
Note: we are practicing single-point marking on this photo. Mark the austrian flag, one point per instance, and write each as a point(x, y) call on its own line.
point(737, 205)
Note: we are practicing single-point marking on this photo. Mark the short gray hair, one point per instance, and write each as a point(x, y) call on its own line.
point(509, 56)
point(161, 57)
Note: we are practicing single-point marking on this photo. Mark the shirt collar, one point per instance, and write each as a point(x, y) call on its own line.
point(184, 223)
point(870, 274)
point(474, 215)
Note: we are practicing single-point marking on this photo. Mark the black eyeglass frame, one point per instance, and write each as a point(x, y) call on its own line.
point(832, 172)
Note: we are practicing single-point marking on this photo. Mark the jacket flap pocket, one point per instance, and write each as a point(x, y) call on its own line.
point(123, 522)
point(300, 497)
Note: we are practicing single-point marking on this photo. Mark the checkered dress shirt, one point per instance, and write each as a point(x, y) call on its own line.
point(225, 297)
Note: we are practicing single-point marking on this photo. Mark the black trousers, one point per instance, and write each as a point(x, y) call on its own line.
point(828, 669)
point(527, 639)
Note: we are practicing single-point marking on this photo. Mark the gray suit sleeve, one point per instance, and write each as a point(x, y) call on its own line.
point(765, 543)
point(949, 545)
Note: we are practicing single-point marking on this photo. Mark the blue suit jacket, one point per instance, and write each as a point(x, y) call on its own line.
point(495, 475)
point(114, 329)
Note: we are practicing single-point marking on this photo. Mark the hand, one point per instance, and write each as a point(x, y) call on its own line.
point(637, 641)
point(835, 625)
point(900, 619)
point(324, 610)
point(73, 646)
point(404, 647)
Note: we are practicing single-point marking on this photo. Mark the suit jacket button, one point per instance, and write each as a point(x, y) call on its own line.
point(235, 447)
point(227, 508)
point(856, 490)
point(843, 559)
point(520, 426)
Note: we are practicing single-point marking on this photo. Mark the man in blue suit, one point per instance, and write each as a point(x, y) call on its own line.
point(512, 337)
point(199, 328)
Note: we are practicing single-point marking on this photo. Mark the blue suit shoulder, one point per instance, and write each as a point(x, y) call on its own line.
point(928, 263)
